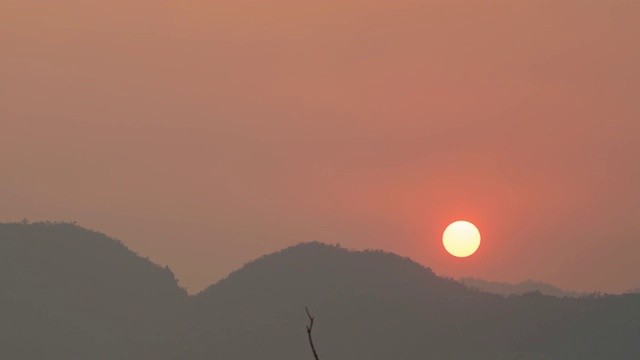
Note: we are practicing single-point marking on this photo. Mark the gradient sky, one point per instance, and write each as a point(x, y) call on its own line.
point(207, 133)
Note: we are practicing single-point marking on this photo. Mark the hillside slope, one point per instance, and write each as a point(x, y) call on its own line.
point(376, 305)
point(67, 292)
point(70, 293)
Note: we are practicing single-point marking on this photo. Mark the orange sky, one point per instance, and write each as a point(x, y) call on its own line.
point(206, 133)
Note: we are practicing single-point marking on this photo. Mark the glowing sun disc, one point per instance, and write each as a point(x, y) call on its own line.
point(461, 239)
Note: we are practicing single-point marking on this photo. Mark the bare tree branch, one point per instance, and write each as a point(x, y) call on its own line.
point(309, 328)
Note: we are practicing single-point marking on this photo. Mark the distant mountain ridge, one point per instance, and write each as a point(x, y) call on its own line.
point(66, 293)
point(502, 288)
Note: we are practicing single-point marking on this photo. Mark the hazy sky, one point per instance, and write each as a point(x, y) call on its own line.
point(207, 133)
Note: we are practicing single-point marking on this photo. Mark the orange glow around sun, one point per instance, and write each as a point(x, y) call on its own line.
point(461, 239)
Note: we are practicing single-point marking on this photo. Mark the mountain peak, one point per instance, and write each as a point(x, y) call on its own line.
point(67, 288)
point(317, 266)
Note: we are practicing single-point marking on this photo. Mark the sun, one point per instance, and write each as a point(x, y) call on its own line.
point(461, 239)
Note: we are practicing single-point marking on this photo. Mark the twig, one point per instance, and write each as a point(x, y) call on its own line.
point(309, 328)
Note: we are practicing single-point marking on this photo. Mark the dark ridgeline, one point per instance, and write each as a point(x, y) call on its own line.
point(70, 293)
point(376, 305)
point(517, 289)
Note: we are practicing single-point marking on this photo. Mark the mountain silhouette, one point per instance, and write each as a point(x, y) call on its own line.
point(67, 292)
point(360, 299)
point(377, 305)
point(523, 287)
